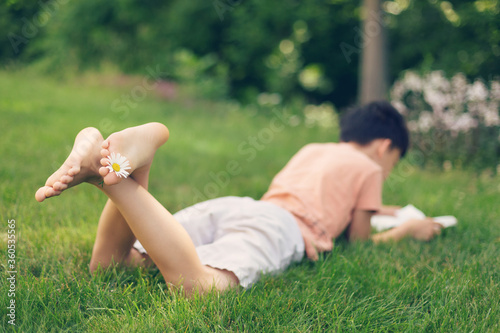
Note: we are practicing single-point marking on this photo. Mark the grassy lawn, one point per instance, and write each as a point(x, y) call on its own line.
point(451, 284)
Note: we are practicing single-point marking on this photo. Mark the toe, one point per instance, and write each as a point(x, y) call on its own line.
point(103, 171)
point(51, 192)
point(111, 179)
point(104, 162)
point(73, 171)
point(58, 186)
point(105, 153)
point(105, 144)
point(67, 179)
point(40, 194)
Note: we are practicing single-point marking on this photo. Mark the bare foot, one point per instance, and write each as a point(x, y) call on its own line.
point(82, 165)
point(137, 144)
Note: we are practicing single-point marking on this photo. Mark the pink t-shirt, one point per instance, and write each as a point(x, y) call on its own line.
point(322, 185)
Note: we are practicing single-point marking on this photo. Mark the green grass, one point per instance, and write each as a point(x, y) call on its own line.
point(451, 284)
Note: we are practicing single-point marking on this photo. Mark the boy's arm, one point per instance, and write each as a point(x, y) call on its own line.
point(423, 230)
point(360, 229)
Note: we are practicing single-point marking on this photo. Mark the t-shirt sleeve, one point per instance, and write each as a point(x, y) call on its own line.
point(370, 194)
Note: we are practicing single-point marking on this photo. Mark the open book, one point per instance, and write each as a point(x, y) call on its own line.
point(383, 222)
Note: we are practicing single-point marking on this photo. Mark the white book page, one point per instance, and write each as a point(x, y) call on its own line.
point(384, 222)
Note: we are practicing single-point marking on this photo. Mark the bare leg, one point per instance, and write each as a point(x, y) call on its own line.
point(166, 241)
point(114, 239)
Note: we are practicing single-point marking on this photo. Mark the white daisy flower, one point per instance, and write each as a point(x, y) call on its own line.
point(118, 164)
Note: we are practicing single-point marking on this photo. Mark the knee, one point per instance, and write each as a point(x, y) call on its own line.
point(208, 280)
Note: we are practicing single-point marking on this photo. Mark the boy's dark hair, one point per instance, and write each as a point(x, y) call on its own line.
point(376, 120)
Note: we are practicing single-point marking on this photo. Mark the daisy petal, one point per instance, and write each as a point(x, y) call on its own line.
point(118, 164)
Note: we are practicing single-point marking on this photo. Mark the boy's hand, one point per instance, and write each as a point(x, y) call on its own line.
point(423, 230)
point(311, 251)
point(312, 248)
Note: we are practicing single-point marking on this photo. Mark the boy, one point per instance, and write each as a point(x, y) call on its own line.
point(221, 243)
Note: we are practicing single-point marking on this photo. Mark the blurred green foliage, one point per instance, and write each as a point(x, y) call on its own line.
point(305, 49)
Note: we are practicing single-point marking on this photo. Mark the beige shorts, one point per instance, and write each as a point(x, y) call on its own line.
point(245, 236)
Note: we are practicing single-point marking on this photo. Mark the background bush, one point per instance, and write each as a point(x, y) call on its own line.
point(453, 122)
point(292, 48)
point(259, 52)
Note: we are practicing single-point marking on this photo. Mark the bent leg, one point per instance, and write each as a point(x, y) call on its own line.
point(165, 240)
point(167, 243)
point(114, 239)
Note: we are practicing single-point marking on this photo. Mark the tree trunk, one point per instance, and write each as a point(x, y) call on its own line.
point(373, 71)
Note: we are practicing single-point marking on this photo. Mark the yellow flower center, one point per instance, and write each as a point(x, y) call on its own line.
point(116, 166)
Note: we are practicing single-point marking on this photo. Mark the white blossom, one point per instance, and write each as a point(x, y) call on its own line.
point(463, 123)
point(436, 100)
point(455, 105)
point(437, 80)
point(412, 81)
point(458, 92)
point(477, 91)
point(490, 114)
point(400, 106)
point(425, 121)
point(118, 164)
point(398, 90)
point(412, 126)
point(495, 90)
